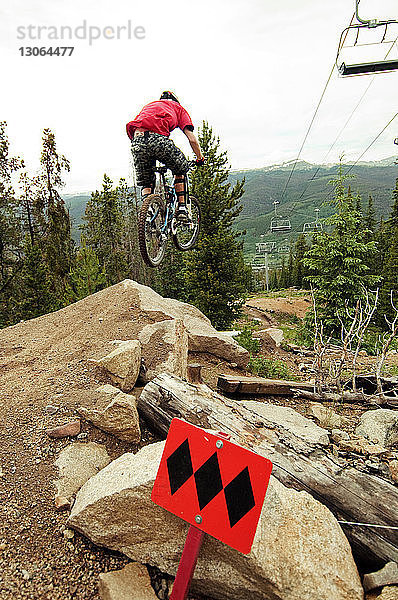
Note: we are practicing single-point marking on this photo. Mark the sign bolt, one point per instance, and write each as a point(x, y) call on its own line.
point(219, 444)
point(198, 519)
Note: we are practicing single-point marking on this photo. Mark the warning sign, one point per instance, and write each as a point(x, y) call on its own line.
point(212, 483)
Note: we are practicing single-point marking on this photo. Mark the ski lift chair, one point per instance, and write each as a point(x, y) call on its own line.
point(284, 248)
point(265, 247)
point(364, 68)
point(312, 227)
point(280, 224)
point(396, 141)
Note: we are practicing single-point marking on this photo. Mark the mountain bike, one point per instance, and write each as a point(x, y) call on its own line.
point(157, 221)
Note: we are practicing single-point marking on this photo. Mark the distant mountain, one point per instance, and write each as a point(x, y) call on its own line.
point(308, 189)
point(76, 204)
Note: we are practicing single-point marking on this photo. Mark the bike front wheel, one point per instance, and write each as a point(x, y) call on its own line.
point(187, 232)
point(152, 238)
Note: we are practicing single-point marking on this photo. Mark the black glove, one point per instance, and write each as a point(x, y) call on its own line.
point(199, 162)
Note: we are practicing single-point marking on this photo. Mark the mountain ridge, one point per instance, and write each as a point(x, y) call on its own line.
point(308, 189)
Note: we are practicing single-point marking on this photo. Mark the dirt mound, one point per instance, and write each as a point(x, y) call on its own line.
point(54, 349)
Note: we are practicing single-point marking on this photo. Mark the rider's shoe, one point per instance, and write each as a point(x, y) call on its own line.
point(182, 213)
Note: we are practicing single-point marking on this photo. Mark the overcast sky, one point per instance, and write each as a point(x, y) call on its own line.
point(254, 69)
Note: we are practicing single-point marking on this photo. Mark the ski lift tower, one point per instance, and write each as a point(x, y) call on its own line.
point(263, 249)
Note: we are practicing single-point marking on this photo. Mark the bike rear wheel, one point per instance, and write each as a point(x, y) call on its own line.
point(151, 239)
point(187, 233)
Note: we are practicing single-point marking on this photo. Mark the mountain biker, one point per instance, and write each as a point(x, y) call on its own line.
point(149, 134)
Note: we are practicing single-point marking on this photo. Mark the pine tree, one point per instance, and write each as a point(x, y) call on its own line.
point(390, 282)
point(10, 229)
point(51, 218)
point(393, 220)
point(283, 276)
point(358, 207)
point(170, 279)
point(215, 270)
point(337, 260)
point(87, 275)
point(104, 230)
point(289, 270)
point(135, 268)
point(299, 270)
point(370, 218)
point(273, 280)
point(389, 245)
point(26, 201)
point(36, 286)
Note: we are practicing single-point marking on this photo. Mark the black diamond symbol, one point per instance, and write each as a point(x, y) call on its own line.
point(208, 481)
point(239, 497)
point(179, 466)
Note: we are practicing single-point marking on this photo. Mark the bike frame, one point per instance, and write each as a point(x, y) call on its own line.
point(170, 198)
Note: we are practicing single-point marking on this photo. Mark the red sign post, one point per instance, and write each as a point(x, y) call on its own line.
point(213, 484)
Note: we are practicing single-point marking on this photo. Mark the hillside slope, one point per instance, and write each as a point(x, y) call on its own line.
point(308, 189)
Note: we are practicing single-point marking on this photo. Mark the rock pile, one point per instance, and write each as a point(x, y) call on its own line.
point(160, 346)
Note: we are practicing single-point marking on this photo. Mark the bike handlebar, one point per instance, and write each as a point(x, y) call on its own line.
point(192, 163)
point(198, 162)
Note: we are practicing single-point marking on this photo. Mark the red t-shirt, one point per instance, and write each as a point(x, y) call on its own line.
point(161, 116)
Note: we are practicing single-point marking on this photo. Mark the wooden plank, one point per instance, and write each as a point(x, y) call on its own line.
point(350, 494)
point(233, 384)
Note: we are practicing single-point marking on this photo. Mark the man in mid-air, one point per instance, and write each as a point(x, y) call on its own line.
point(149, 134)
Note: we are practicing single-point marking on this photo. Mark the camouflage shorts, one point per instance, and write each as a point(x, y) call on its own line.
point(149, 148)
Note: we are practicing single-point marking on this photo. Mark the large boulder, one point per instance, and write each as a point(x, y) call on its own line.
point(379, 426)
point(76, 464)
point(119, 417)
point(165, 348)
point(202, 336)
point(123, 364)
point(299, 551)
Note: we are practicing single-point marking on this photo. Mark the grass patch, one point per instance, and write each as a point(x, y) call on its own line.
point(287, 293)
point(246, 340)
point(390, 371)
point(269, 367)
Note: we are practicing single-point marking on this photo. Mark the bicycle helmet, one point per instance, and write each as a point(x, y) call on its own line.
point(169, 96)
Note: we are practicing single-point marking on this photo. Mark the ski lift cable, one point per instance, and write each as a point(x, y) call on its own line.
point(307, 133)
point(340, 132)
point(365, 151)
point(371, 143)
point(312, 121)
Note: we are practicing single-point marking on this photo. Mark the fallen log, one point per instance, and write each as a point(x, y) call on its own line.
point(347, 397)
point(350, 494)
point(233, 384)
